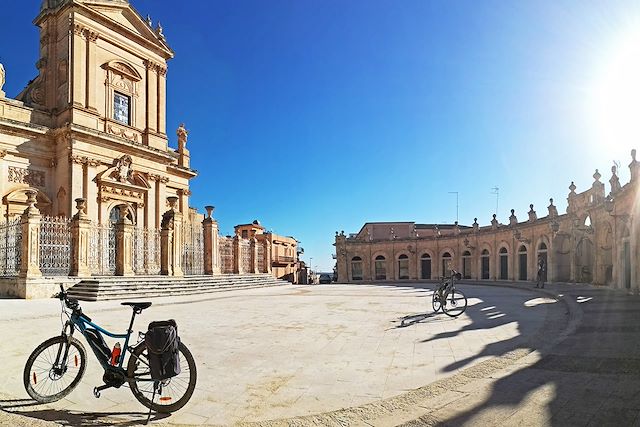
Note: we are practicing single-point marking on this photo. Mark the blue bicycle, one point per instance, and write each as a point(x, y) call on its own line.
point(57, 365)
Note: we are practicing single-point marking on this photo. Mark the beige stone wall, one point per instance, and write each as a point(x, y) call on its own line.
point(602, 249)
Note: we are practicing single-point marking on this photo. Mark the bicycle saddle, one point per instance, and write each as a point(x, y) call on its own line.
point(137, 305)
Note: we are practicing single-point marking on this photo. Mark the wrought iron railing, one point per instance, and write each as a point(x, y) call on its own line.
point(102, 249)
point(193, 249)
point(245, 255)
point(55, 246)
point(146, 251)
point(10, 247)
point(225, 245)
point(260, 256)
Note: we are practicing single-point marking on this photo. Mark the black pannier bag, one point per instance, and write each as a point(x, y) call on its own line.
point(97, 343)
point(162, 346)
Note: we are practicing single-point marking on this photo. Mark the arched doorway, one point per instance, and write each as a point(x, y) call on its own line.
point(607, 256)
point(425, 264)
point(522, 263)
point(356, 268)
point(504, 264)
point(484, 258)
point(584, 261)
point(542, 255)
point(403, 267)
point(466, 265)
point(380, 266)
point(446, 264)
point(562, 258)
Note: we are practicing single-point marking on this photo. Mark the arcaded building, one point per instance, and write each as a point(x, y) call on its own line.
point(595, 241)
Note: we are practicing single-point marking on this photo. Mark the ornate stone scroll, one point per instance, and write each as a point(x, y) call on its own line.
point(26, 176)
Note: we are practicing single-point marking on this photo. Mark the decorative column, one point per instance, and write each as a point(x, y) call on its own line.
point(254, 256)
point(161, 125)
point(171, 240)
point(267, 256)
point(91, 79)
point(166, 244)
point(237, 255)
point(124, 244)
point(78, 65)
point(80, 229)
point(210, 230)
point(30, 250)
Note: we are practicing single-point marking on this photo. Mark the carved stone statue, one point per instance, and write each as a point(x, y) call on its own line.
point(634, 166)
point(123, 168)
point(2, 80)
point(614, 181)
point(553, 210)
point(183, 134)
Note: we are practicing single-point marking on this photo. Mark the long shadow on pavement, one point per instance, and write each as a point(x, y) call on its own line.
point(591, 378)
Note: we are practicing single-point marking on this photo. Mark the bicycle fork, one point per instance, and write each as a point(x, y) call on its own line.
point(60, 366)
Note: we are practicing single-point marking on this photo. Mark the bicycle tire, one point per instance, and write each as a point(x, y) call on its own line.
point(436, 301)
point(39, 370)
point(455, 304)
point(138, 367)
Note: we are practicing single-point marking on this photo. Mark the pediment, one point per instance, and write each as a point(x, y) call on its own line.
point(123, 16)
point(124, 69)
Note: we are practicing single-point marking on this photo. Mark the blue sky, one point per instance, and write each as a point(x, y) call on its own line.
point(317, 116)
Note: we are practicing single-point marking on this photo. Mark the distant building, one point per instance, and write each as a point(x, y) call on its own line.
point(282, 249)
point(596, 242)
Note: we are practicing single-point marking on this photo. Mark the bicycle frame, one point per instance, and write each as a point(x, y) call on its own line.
point(82, 322)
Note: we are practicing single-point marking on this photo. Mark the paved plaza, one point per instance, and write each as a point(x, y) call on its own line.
point(364, 355)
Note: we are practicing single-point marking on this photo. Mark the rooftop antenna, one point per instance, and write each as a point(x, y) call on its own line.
point(456, 193)
point(495, 190)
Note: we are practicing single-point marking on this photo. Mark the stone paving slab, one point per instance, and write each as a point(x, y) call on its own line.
point(282, 353)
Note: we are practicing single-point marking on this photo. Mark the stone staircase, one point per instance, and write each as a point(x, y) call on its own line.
point(115, 288)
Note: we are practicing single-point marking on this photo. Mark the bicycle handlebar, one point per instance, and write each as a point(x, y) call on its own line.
point(71, 303)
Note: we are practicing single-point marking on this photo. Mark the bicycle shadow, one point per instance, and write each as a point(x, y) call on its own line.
point(74, 418)
point(414, 319)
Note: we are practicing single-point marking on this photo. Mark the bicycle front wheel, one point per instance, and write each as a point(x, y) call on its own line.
point(436, 301)
point(49, 375)
point(455, 303)
point(173, 393)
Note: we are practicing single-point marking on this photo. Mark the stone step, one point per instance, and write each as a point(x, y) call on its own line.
point(110, 288)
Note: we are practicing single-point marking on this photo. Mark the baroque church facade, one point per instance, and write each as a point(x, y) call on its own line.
point(92, 123)
point(596, 241)
point(90, 186)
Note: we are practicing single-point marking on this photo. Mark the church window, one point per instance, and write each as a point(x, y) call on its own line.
point(121, 110)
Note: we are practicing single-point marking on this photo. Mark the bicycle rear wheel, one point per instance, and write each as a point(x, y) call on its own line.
point(455, 304)
point(46, 381)
point(174, 392)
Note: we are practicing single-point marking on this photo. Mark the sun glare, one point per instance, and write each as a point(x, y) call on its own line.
point(616, 95)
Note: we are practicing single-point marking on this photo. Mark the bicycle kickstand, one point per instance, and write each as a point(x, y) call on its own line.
point(97, 390)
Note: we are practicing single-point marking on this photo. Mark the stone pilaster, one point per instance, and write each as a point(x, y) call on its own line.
point(166, 260)
point(124, 244)
point(254, 256)
point(80, 229)
point(237, 255)
point(171, 241)
point(210, 233)
point(30, 250)
point(267, 256)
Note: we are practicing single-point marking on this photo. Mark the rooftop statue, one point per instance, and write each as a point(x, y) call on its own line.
point(183, 134)
point(2, 80)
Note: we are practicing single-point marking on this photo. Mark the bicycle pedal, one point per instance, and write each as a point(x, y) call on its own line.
point(96, 393)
